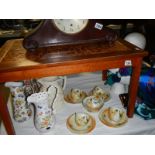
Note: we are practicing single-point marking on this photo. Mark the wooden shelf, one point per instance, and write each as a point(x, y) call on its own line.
point(18, 64)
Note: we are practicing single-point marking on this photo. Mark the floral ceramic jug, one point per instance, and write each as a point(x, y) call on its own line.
point(58, 96)
point(21, 111)
point(44, 118)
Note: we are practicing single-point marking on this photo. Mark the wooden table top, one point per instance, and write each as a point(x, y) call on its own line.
point(14, 57)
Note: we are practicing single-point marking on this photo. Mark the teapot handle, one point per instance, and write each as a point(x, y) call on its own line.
point(64, 79)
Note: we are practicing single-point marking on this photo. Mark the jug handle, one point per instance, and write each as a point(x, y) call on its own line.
point(54, 96)
point(64, 78)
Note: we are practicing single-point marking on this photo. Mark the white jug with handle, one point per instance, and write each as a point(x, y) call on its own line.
point(59, 82)
point(44, 119)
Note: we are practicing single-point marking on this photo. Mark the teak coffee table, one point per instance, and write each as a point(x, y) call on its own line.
point(18, 64)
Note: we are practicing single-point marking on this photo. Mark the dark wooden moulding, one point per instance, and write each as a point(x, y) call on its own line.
point(46, 34)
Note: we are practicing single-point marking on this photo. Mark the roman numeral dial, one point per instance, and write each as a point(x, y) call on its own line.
point(70, 26)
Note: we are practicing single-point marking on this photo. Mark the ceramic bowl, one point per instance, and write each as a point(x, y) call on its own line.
point(93, 103)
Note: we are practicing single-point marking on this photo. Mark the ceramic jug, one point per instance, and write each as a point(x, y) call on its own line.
point(44, 119)
point(21, 110)
point(59, 82)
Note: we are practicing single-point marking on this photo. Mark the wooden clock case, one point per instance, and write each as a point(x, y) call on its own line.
point(47, 34)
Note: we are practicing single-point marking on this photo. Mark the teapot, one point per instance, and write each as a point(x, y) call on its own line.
point(56, 96)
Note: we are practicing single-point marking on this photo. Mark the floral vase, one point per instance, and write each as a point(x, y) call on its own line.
point(21, 111)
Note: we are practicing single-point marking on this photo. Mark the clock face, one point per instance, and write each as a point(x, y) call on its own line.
point(70, 26)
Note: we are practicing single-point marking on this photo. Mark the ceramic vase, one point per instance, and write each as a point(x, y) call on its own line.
point(44, 118)
point(21, 110)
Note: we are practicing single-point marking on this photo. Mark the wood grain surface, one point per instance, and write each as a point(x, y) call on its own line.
point(17, 58)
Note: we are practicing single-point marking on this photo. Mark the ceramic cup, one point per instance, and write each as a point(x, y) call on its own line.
point(93, 103)
point(118, 88)
point(77, 95)
point(114, 114)
point(97, 91)
point(81, 119)
point(100, 93)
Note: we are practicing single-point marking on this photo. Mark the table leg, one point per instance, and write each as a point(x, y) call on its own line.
point(5, 116)
point(104, 75)
point(133, 88)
